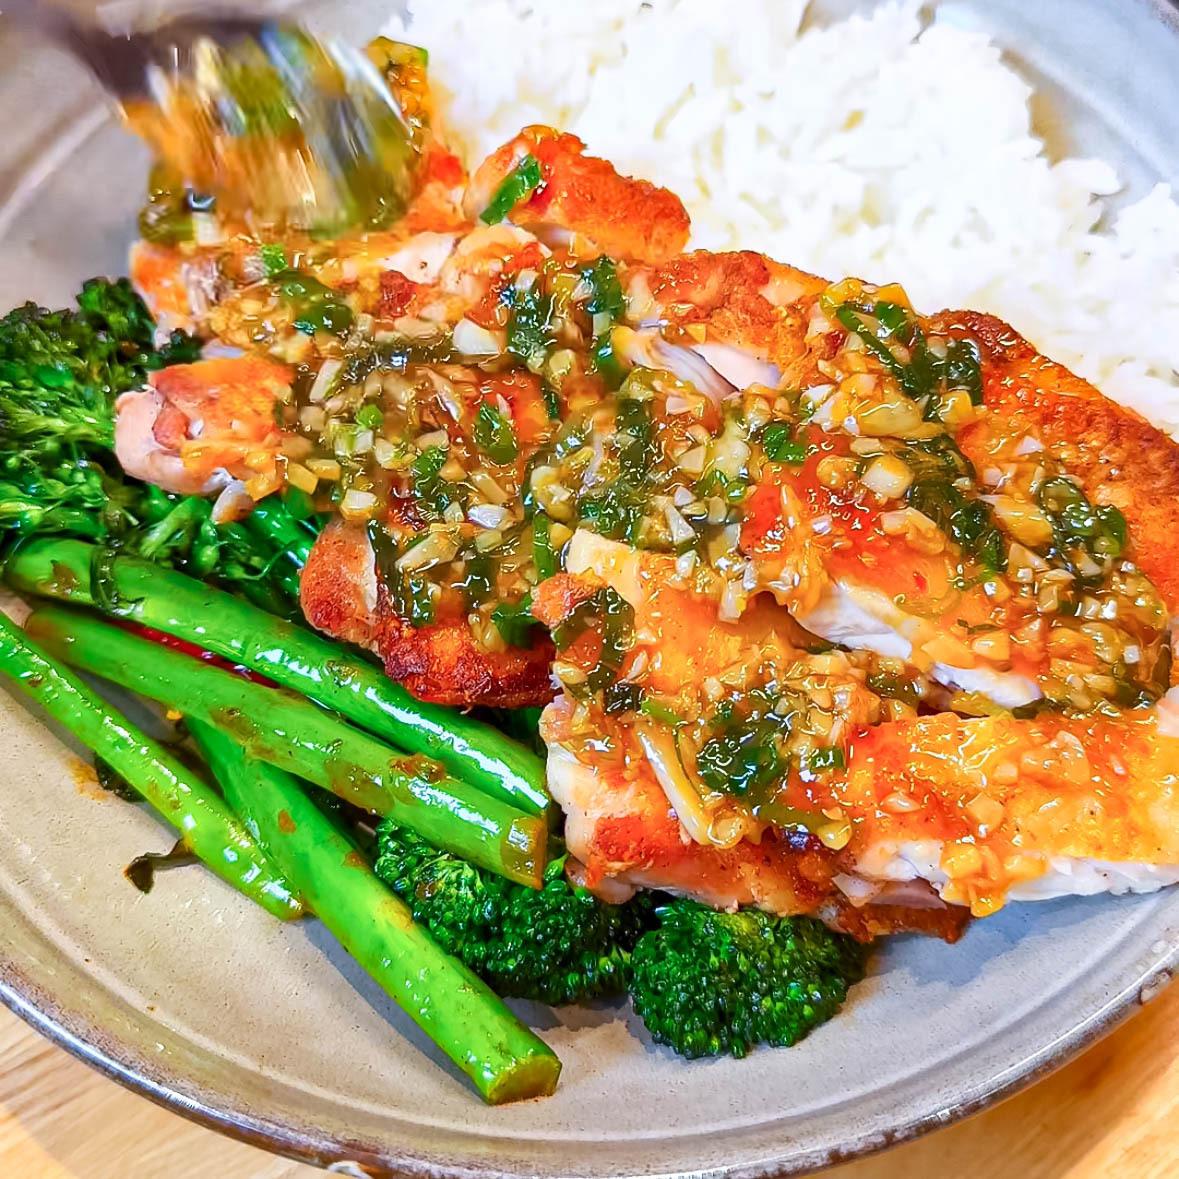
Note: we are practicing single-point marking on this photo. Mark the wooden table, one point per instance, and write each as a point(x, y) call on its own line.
point(1112, 1114)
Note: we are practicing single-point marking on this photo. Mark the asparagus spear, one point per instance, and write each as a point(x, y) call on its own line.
point(279, 727)
point(209, 829)
point(292, 656)
point(503, 1058)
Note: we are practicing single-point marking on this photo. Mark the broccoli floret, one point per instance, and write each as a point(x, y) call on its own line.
point(558, 944)
point(60, 373)
point(708, 983)
point(61, 370)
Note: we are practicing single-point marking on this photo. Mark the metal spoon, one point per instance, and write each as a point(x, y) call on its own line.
point(282, 129)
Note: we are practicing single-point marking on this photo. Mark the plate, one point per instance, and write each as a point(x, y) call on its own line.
point(201, 1002)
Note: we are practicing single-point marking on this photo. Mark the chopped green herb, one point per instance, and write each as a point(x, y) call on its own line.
point(552, 401)
point(962, 369)
point(317, 307)
point(530, 325)
point(411, 599)
point(968, 522)
point(622, 697)
point(606, 297)
point(544, 553)
point(605, 363)
point(434, 493)
point(410, 596)
point(274, 258)
point(612, 618)
point(634, 439)
point(519, 184)
point(660, 712)
point(780, 445)
point(731, 490)
point(615, 513)
point(495, 435)
point(827, 757)
point(476, 582)
point(743, 756)
point(922, 374)
point(514, 621)
point(894, 687)
point(736, 762)
point(370, 417)
point(1077, 524)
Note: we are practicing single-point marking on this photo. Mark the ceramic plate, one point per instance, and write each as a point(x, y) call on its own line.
point(196, 999)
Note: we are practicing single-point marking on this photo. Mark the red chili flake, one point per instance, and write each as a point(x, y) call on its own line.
point(921, 581)
point(397, 293)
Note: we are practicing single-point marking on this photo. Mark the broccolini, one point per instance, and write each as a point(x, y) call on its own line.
point(708, 983)
point(557, 944)
point(60, 374)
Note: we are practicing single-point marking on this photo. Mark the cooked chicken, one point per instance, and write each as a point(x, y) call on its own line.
point(579, 196)
point(195, 427)
point(852, 611)
point(442, 661)
point(982, 810)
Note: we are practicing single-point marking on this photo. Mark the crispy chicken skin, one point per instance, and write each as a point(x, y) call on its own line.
point(582, 195)
point(620, 826)
point(917, 821)
point(753, 303)
point(741, 298)
point(338, 589)
point(982, 809)
point(996, 808)
point(1120, 458)
point(341, 595)
point(193, 427)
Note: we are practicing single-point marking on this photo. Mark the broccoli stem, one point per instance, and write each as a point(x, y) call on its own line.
point(266, 599)
point(293, 657)
point(183, 516)
point(505, 1060)
point(22, 514)
point(271, 522)
point(209, 829)
point(280, 728)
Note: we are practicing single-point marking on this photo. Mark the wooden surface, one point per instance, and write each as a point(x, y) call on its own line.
point(1112, 1113)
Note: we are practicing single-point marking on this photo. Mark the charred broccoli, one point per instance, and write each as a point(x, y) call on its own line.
point(558, 944)
point(708, 983)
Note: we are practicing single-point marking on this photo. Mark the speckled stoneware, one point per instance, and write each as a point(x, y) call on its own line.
point(200, 1001)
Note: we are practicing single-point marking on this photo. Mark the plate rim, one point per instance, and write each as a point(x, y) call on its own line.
point(116, 1061)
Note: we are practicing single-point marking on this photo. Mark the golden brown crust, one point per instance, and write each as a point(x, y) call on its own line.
point(742, 298)
point(622, 216)
point(442, 662)
point(865, 924)
point(786, 874)
point(332, 588)
point(1119, 457)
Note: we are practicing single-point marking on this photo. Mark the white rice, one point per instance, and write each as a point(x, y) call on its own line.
point(878, 147)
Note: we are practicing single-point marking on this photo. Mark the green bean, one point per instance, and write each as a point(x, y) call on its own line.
point(207, 827)
point(291, 656)
point(279, 727)
point(504, 1059)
